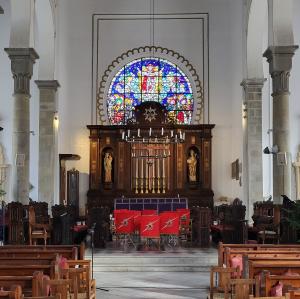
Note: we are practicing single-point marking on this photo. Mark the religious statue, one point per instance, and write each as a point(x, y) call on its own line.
point(108, 167)
point(192, 166)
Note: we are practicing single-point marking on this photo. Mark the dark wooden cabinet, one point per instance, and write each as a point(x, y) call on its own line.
point(73, 190)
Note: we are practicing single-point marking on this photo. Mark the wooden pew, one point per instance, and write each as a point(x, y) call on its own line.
point(281, 254)
point(242, 288)
point(252, 247)
point(222, 284)
point(80, 272)
point(15, 253)
point(271, 280)
point(78, 251)
point(275, 267)
point(295, 294)
point(15, 292)
point(287, 296)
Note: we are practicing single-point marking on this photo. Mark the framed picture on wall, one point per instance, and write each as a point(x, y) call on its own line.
point(235, 171)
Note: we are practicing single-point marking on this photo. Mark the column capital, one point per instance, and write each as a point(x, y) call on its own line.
point(22, 60)
point(47, 84)
point(253, 83)
point(1, 10)
point(280, 65)
point(280, 57)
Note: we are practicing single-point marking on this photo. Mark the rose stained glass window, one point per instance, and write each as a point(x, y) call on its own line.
point(150, 79)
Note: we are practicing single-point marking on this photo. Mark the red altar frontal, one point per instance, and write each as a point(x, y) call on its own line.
point(148, 224)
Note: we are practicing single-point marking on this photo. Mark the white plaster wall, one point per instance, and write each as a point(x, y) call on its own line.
point(6, 90)
point(74, 74)
point(295, 91)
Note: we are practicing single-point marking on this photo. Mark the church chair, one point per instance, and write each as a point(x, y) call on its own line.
point(287, 296)
point(36, 230)
point(220, 280)
point(125, 228)
point(270, 231)
point(150, 229)
point(242, 288)
point(169, 227)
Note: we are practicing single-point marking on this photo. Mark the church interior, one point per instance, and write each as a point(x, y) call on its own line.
point(149, 149)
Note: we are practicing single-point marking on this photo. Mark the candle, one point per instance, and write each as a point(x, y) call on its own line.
point(183, 137)
point(150, 131)
point(139, 135)
point(172, 133)
point(128, 133)
point(162, 131)
point(123, 135)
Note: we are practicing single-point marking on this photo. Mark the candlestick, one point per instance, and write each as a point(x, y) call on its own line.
point(142, 176)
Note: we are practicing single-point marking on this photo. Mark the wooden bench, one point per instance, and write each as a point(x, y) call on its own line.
point(15, 292)
point(275, 267)
point(78, 251)
point(271, 280)
point(282, 254)
point(80, 272)
point(252, 247)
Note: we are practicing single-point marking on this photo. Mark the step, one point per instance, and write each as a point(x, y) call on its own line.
point(151, 268)
point(146, 260)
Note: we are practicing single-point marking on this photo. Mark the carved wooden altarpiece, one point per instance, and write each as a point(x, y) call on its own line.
point(149, 177)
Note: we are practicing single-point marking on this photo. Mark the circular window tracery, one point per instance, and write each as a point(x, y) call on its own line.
point(150, 79)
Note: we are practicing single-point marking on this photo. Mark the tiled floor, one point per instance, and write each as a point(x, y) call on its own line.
point(154, 284)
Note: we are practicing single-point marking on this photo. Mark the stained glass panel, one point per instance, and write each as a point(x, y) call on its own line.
point(150, 79)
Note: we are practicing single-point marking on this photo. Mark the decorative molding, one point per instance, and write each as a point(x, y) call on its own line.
point(280, 65)
point(47, 84)
point(147, 51)
point(22, 60)
point(280, 82)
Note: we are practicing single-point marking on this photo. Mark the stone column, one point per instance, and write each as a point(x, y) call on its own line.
point(280, 65)
point(296, 165)
point(47, 156)
point(253, 104)
point(22, 60)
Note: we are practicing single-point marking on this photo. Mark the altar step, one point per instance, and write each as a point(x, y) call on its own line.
point(197, 261)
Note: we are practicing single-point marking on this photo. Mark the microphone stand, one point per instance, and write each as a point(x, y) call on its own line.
point(91, 231)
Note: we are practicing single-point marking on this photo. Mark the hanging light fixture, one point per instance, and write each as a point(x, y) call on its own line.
point(153, 136)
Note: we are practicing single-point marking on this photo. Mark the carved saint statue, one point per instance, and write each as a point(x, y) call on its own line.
point(192, 166)
point(108, 168)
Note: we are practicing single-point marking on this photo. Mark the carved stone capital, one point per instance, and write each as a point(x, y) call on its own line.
point(253, 85)
point(22, 60)
point(280, 65)
point(47, 84)
point(280, 82)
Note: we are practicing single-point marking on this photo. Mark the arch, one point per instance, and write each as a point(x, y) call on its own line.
point(45, 40)
point(147, 51)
